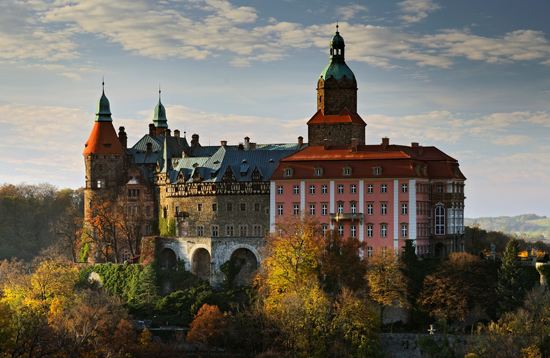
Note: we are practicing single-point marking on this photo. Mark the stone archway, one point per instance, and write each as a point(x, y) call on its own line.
point(440, 250)
point(168, 259)
point(246, 262)
point(200, 264)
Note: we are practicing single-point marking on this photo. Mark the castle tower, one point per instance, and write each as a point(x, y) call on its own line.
point(104, 155)
point(160, 120)
point(336, 118)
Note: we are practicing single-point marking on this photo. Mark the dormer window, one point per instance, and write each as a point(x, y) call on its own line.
point(289, 171)
point(100, 183)
point(377, 170)
point(318, 171)
point(347, 170)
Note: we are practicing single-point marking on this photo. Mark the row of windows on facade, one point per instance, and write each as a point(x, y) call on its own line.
point(340, 208)
point(230, 231)
point(340, 228)
point(318, 171)
point(340, 189)
point(228, 207)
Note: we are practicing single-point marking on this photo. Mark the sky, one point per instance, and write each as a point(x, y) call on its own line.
point(469, 77)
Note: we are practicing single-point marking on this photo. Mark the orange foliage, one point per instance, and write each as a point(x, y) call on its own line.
point(207, 327)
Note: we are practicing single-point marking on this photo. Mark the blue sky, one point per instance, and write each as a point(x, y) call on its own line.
point(470, 77)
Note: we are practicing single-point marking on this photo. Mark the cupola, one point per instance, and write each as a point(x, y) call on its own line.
point(103, 108)
point(159, 119)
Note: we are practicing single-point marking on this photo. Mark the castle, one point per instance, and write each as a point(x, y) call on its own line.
point(214, 203)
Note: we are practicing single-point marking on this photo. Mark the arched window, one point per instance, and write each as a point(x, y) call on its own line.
point(440, 220)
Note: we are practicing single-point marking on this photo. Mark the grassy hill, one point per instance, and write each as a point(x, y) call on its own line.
point(522, 225)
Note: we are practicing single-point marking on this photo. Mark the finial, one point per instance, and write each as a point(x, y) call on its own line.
point(103, 83)
point(337, 27)
point(159, 92)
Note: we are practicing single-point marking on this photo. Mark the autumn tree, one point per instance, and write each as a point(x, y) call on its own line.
point(341, 263)
point(207, 327)
point(511, 280)
point(131, 217)
point(69, 228)
point(475, 238)
point(103, 223)
point(459, 283)
point(387, 285)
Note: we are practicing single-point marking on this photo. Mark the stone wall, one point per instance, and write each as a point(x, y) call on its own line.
point(337, 133)
point(404, 345)
point(334, 96)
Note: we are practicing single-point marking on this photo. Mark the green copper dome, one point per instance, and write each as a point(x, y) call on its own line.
point(337, 67)
point(160, 119)
point(103, 108)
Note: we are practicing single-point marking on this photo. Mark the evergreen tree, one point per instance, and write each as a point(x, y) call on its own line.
point(510, 287)
point(147, 290)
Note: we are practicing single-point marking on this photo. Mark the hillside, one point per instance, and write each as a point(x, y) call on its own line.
point(527, 224)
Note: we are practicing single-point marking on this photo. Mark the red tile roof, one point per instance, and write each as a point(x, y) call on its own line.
point(103, 140)
point(344, 117)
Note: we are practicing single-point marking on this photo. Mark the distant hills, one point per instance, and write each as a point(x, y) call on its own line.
point(530, 225)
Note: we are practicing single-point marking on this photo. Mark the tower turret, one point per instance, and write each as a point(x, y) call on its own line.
point(159, 119)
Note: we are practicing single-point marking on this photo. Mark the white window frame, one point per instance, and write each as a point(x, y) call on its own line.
point(312, 189)
point(370, 188)
point(340, 189)
point(384, 188)
point(404, 209)
point(280, 210)
point(324, 189)
point(370, 230)
point(383, 230)
point(353, 188)
point(296, 209)
point(383, 209)
point(296, 189)
point(324, 209)
point(370, 209)
point(279, 190)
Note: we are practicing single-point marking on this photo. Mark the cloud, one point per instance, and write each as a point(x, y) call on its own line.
point(416, 10)
point(348, 12)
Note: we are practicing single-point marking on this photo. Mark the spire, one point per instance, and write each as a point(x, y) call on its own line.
point(159, 118)
point(166, 157)
point(337, 67)
point(103, 107)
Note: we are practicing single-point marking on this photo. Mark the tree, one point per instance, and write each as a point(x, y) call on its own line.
point(510, 287)
point(341, 265)
point(70, 230)
point(207, 327)
point(476, 239)
point(103, 222)
point(145, 291)
point(457, 286)
point(131, 217)
point(387, 285)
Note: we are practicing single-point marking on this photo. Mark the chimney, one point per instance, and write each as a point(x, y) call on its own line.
point(152, 130)
point(167, 132)
point(252, 146)
point(195, 140)
point(385, 143)
point(326, 143)
point(177, 135)
point(224, 143)
point(241, 147)
point(122, 137)
point(246, 143)
point(300, 141)
point(414, 144)
point(149, 148)
point(354, 144)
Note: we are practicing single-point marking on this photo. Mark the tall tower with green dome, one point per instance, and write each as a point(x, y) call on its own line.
point(336, 119)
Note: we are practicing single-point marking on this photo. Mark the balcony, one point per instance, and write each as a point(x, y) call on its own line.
point(346, 216)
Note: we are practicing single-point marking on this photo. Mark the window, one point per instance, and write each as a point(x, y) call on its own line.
point(148, 229)
point(199, 207)
point(318, 171)
point(341, 230)
point(229, 206)
point(311, 209)
point(369, 230)
point(404, 209)
point(289, 171)
point(369, 251)
point(279, 210)
point(200, 231)
point(214, 207)
point(324, 209)
point(439, 220)
point(384, 250)
point(178, 210)
point(100, 183)
point(383, 209)
point(340, 208)
point(147, 211)
point(404, 188)
point(377, 170)
point(353, 231)
point(243, 206)
point(340, 188)
point(256, 206)
point(383, 188)
point(353, 188)
point(370, 188)
point(353, 208)
point(369, 209)
point(383, 230)
point(296, 209)
point(215, 230)
point(347, 170)
point(324, 189)
point(439, 188)
point(279, 189)
point(403, 230)
point(324, 227)
point(312, 189)
point(244, 230)
point(295, 189)
point(229, 230)
point(257, 230)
